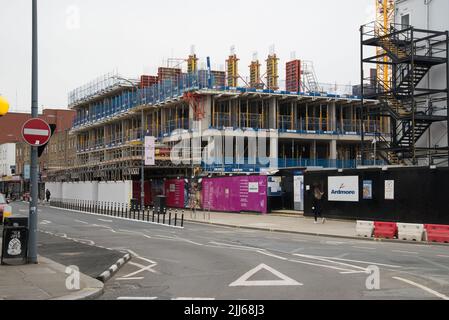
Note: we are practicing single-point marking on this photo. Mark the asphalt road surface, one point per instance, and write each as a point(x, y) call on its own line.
point(211, 262)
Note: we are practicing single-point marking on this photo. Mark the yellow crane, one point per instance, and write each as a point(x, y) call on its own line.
point(384, 18)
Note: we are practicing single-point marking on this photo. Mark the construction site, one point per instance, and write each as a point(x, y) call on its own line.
point(396, 116)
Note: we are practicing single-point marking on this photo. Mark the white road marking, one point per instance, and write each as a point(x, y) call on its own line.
point(45, 222)
point(359, 261)
point(364, 248)
point(330, 261)
point(321, 265)
point(407, 252)
point(335, 243)
point(136, 298)
point(235, 246)
point(244, 282)
point(125, 279)
point(186, 298)
point(442, 256)
point(104, 220)
point(271, 255)
point(83, 222)
point(433, 292)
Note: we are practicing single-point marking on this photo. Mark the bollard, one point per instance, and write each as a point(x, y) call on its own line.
point(158, 215)
point(163, 218)
point(148, 216)
point(153, 213)
point(169, 217)
point(182, 221)
point(176, 217)
point(139, 208)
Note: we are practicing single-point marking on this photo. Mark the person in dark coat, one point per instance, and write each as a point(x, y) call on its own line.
point(317, 204)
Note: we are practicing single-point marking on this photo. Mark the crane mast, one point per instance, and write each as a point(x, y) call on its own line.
point(384, 19)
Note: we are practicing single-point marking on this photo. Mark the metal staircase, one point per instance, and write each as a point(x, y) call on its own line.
point(404, 98)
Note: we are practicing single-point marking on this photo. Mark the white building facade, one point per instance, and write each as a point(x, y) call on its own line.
point(429, 15)
point(7, 158)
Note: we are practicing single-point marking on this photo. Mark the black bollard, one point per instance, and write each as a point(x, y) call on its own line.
point(169, 217)
point(182, 220)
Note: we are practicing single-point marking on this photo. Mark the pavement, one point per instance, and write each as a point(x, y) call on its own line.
point(277, 222)
point(47, 279)
point(205, 261)
point(44, 281)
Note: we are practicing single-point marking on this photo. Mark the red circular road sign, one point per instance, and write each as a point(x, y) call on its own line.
point(36, 132)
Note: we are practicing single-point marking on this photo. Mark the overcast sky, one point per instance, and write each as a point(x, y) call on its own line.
point(82, 39)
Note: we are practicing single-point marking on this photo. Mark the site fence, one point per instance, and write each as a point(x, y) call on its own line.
point(133, 211)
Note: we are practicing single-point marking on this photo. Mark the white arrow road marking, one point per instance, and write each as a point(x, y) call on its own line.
point(244, 282)
point(435, 293)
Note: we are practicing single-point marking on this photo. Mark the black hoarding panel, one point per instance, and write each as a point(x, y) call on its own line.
point(420, 195)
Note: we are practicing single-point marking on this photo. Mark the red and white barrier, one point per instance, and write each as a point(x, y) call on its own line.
point(437, 233)
point(385, 230)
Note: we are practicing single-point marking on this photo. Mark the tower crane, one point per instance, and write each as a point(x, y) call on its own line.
point(384, 19)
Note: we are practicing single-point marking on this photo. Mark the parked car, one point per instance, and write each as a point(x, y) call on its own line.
point(3, 204)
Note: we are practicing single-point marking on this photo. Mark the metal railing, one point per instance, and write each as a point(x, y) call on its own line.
point(132, 211)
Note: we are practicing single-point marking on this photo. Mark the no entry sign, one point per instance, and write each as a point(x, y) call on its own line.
point(36, 132)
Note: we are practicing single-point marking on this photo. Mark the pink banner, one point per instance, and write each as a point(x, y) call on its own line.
point(235, 194)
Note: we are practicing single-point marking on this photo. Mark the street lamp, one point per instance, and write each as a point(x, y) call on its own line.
point(142, 133)
point(4, 106)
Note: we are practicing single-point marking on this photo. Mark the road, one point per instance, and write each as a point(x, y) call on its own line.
point(211, 262)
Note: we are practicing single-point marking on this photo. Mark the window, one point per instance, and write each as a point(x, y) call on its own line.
point(405, 21)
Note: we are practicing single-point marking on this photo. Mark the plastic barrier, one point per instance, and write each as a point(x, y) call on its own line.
point(410, 232)
point(364, 229)
point(386, 230)
point(437, 233)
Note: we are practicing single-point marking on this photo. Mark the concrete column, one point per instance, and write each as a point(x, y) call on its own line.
point(206, 122)
point(272, 118)
point(313, 150)
point(333, 150)
point(332, 115)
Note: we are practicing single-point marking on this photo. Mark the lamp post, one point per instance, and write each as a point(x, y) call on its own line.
point(142, 134)
point(4, 106)
point(32, 241)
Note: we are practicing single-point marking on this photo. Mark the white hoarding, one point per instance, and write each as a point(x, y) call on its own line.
point(150, 151)
point(345, 189)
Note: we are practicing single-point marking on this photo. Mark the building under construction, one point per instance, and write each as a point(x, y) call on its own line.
point(314, 129)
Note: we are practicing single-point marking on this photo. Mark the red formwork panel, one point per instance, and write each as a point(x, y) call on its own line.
point(293, 76)
point(437, 233)
point(385, 230)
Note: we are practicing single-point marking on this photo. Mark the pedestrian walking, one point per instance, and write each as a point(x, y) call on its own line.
point(48, 195)
point(317, 204)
